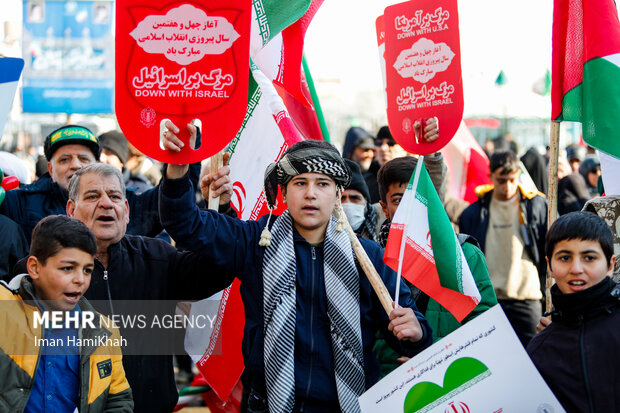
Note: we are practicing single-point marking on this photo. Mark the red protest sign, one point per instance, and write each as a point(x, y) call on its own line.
point(423, 70)
point(182, 62)
point(379, 26)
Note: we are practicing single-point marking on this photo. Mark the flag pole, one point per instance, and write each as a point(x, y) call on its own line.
point(315, 99)
point(369, 269)
point(403, 240)
point(552, 206)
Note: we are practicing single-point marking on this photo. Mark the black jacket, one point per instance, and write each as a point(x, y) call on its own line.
point(30, 204)
point(142, 268)
point(577, 354)
point(573, 193)
point(13, 246)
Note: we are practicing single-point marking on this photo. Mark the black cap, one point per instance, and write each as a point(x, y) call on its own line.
point(71, 134)
point(357, 137)
point(384, 133)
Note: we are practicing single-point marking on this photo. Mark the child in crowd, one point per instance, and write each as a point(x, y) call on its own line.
point(310, 312)
point(577, 354)
point(66, 369)
point(393, 178)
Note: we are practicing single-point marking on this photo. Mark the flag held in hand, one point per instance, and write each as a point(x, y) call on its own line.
point(433, 259)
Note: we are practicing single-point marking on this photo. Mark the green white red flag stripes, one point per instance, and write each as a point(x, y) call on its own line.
point(267, 127)
point(586, 70)
point(432, 258)
point(270, 17)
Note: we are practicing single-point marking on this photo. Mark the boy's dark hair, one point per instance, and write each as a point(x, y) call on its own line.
point(55, 232)
point(506, 159)
point(582, 226)
point(398, 171)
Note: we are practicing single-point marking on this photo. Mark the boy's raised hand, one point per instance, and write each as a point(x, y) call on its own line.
point(404, 324)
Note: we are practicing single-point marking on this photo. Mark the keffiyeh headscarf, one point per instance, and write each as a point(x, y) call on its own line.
point(303, 157)
point(307, 156)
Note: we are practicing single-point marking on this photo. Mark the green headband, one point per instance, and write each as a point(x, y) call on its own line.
point(72, 132)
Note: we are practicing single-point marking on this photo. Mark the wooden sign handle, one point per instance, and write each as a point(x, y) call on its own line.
point(217, 161)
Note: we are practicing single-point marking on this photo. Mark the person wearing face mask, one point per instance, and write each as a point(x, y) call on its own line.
point(356, 204)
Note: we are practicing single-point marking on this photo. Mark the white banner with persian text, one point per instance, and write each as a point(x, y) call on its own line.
point(481, 367)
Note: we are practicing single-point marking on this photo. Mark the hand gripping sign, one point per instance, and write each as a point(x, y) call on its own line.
point(182, 61)
point(423, 71)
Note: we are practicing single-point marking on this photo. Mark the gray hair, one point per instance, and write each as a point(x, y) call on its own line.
point(101, 169)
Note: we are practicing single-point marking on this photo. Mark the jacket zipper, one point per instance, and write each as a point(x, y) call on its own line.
point(36, 367)
point(584, 363)
point(312, 250)
point(107, 286)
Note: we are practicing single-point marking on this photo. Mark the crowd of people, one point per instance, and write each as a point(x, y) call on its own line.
point(94, 230)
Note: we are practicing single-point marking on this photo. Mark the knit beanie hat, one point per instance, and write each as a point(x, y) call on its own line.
point(71, 134)
point(115, 142)
point(357, 179)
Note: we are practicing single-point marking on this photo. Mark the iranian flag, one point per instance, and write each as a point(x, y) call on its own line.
point(586, 70)
point(279, 110)
point(424, 245)
point(468, 165)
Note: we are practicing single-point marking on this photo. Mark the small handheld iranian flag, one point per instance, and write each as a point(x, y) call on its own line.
point(431, 257)
point(586, 70)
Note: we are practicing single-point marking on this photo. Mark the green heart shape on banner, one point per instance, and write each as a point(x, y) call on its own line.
point(460, 375)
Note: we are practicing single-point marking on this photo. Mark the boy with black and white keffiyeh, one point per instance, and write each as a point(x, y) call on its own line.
point(311, 314)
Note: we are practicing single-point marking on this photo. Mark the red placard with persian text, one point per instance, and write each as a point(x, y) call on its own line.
point(423, 70)
point(182, 61)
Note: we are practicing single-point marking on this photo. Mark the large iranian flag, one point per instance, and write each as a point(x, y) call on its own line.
point(430, 254)
point(279, 113)
point(586, 70)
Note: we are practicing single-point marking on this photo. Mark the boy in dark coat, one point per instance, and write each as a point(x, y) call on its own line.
point(311, 315)
point(577, 354)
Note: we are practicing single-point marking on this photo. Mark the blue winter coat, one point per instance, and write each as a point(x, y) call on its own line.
point(233, 243)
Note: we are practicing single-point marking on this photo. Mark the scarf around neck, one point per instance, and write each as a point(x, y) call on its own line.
point(279, 314)
point(586, 303)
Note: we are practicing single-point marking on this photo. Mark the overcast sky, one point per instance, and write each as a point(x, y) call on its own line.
point(513, 36)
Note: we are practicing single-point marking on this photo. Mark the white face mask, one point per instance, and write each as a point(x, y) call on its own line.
point(355, 214)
